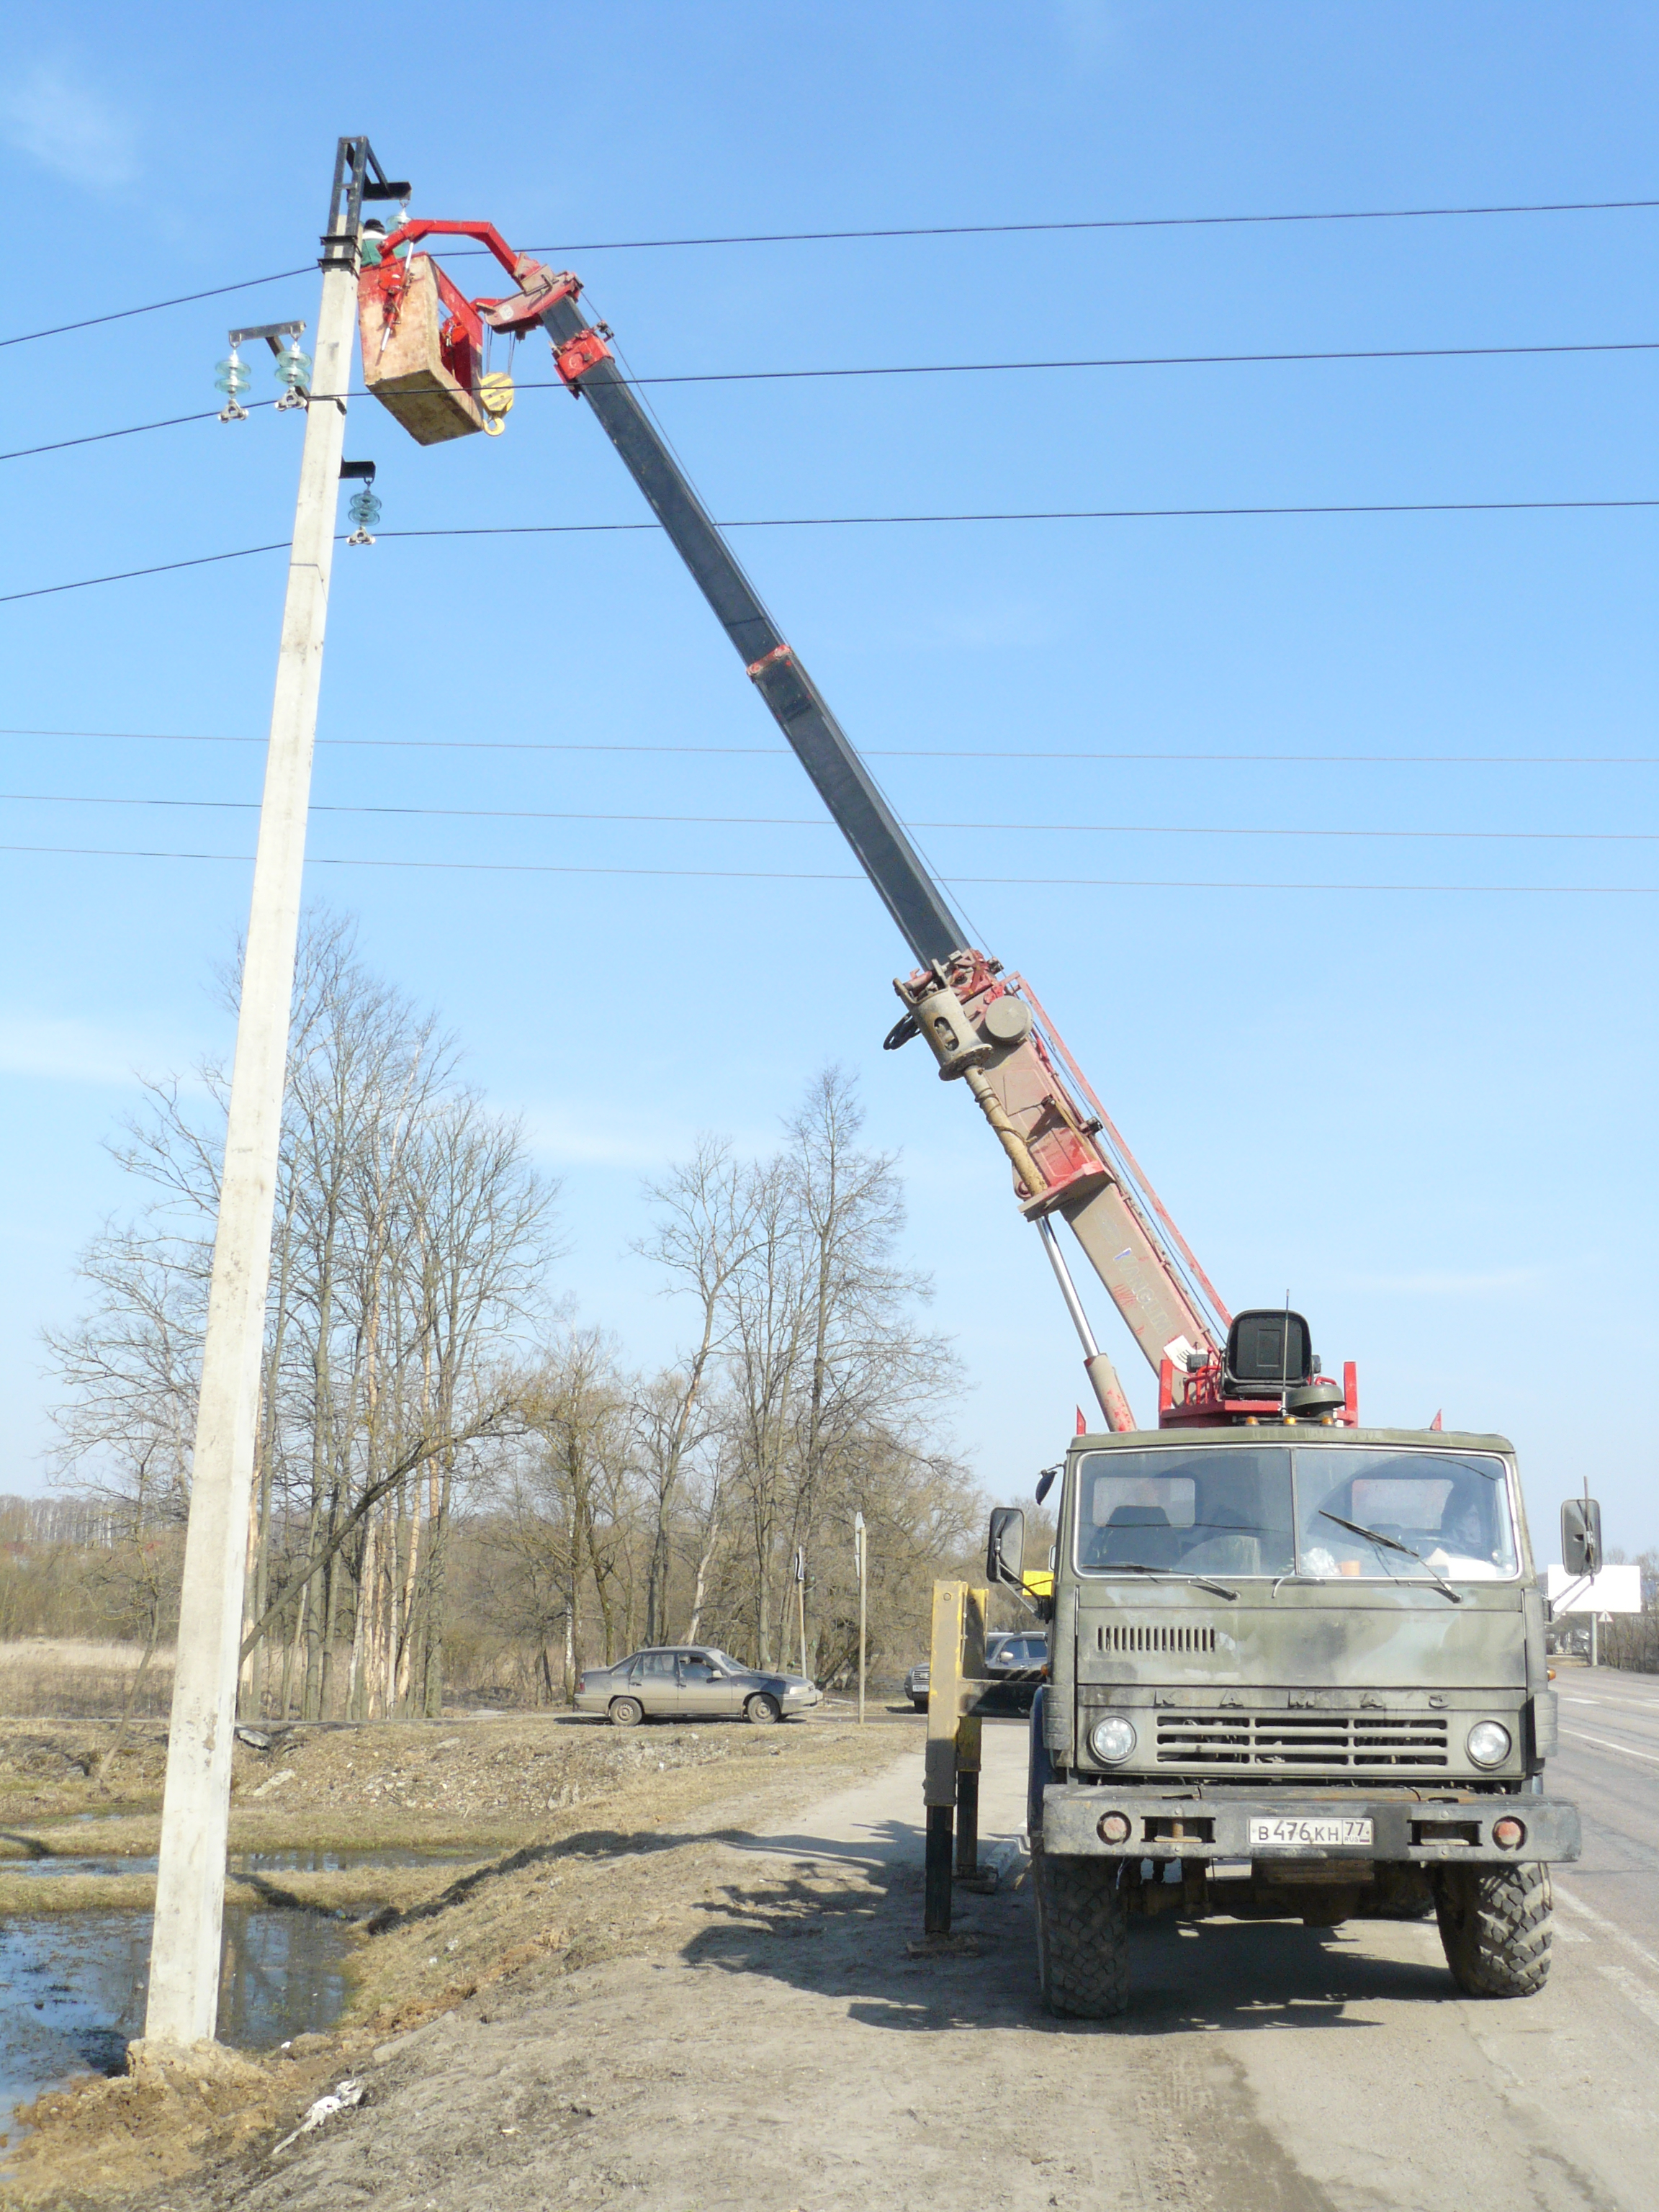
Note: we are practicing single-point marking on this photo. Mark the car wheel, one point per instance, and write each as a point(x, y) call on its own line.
point(626, 1713)
point(920, 1704)
point(762, 1710)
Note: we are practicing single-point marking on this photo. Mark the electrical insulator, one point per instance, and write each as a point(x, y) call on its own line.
point(233, 379)
point(293, 372)
point(365, 511)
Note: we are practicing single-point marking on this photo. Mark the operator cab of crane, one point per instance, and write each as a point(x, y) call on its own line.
point(1270, 1357)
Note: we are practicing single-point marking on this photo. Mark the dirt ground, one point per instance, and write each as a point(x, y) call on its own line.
point(566, 1845)
point(703, 1991)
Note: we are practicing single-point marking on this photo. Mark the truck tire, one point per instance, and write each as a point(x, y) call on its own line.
point(1495, 1926)
point(1083, 1937)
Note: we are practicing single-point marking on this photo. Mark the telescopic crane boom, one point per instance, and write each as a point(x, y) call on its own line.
point(424, 343)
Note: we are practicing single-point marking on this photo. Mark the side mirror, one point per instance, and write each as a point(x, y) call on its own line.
point(1045, 1482)
point(1581, 1535)
point(1004, 1552)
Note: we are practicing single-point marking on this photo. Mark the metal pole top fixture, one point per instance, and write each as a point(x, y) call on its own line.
point(358, 177)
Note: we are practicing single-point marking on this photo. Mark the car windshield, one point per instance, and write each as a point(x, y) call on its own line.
point(1450, 1509)
point(719, 1659)
point(1233, 1509)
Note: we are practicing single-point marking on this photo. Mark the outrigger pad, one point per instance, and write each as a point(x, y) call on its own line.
point(402, 360)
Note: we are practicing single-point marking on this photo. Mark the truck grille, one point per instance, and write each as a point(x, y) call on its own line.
point(1256, 1739)
point(1151, 1636)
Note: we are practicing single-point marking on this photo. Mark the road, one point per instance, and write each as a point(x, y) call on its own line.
point(795, 2056)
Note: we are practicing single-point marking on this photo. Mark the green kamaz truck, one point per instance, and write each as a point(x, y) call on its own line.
point(1297, 1673)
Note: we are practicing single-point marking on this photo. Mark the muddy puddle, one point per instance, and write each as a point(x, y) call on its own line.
point(73, 1984)
point(72, 1989)
point(245, 1862)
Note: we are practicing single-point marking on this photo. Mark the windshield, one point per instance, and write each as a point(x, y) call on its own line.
point(1231, 1509)
point(1452, 1511)
point(724, 1661)
point(1220, 1510)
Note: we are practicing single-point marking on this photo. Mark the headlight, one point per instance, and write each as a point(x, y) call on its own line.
point(1488, 1743)
point(1113, 1739)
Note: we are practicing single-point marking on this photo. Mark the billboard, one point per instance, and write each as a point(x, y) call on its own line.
point(1612, 1590)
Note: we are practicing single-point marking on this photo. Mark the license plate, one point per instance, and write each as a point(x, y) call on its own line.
point(1316, 1835)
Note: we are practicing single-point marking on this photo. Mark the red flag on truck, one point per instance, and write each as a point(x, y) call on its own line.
point(1082, 1425)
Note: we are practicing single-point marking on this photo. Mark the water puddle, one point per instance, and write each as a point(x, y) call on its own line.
point(73, 1985)
point(311, 1860)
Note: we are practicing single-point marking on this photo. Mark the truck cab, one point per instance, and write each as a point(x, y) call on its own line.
point(1298, 1672)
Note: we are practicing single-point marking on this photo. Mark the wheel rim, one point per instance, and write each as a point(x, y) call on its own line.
point(762, 1711)
point(627, 1712)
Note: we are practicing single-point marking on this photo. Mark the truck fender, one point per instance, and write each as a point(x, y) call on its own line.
point(1041, 1772)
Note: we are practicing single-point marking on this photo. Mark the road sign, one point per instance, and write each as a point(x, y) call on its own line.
point(1613, 1590)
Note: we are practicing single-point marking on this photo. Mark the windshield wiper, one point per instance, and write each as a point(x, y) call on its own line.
point(1393, 1543)
point(1171, 1574)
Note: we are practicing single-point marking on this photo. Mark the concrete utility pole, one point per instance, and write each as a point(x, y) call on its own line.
point(190, 1889)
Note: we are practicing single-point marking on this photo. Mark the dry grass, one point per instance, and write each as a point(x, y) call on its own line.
point(42, 1677)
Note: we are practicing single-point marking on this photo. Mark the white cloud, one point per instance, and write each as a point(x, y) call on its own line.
point(1448, 1283)
point(569, 1135)
point(75, 1052)
point(68, 128)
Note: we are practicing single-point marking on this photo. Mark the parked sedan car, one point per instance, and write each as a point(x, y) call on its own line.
point(1019, 1663)
point(682, 1682)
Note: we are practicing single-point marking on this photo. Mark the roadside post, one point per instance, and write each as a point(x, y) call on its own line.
point(860, 1553)
point(800, 1594)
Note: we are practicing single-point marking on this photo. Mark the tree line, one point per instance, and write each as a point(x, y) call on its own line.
point(449, 1458)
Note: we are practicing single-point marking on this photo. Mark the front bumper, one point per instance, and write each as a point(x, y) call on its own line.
point(1453, 1829)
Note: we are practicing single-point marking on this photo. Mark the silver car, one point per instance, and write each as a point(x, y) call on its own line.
point(1017, 1662)
point(680, 1682)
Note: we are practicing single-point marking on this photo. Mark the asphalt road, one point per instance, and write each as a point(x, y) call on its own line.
point(1260, 2068)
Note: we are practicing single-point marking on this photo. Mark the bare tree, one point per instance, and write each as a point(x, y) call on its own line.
point(411, 1245)
point(700, 1238)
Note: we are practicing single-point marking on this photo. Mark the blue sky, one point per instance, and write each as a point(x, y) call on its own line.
point(1425, 1110)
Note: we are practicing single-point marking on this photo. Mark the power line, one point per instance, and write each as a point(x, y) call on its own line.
point(823, 822)
point(858, 521)
point(125, 575)
point(1127, 360)
point(1045, 514)
point(919, 230)
point(803, 875)
point(953, 368)
point(1101, 223)
point(913, 752)
point(130, 430)
point(155, 307)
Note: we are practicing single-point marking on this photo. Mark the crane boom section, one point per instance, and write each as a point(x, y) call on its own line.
point(906, 888)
